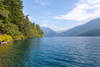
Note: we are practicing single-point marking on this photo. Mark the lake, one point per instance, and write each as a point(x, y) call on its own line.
point(52, 52)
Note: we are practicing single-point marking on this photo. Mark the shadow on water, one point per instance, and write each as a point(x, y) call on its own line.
point(17, 53)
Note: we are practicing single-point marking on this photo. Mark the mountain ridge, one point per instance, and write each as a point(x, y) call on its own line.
point(77, 31)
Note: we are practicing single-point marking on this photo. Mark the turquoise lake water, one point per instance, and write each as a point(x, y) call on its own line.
point(52, 52)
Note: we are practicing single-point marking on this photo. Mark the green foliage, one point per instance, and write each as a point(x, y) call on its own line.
point(14, 23)
point(4, 13)
point(31, 29)
point(10, 29)
point(1, 4)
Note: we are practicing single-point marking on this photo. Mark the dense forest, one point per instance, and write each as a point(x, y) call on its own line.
point(14, 24)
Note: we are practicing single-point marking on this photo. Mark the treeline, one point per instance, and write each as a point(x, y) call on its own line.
point(13, 22)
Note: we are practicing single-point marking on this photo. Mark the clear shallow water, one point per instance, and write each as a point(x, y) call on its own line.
point(52, 52)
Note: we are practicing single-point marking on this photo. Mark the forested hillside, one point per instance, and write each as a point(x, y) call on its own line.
point(14, 23)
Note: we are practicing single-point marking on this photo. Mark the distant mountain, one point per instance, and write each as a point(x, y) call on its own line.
point(95, 32)
point(92, 28)
point(48, 32)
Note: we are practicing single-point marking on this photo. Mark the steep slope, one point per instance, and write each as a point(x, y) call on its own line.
point(86, 29)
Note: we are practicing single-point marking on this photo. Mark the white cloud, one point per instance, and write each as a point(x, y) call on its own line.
point(58, 29)
point(84, 10)
point(55, 28)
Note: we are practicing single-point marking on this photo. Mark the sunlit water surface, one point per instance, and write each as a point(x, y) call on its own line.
point(52, 52)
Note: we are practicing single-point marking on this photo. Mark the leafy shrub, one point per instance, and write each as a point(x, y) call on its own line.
point(5, 37)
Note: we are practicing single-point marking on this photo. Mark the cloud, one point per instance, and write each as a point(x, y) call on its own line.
point(55, 28)
point(84, 10)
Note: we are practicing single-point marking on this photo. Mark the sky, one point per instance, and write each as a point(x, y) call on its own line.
point(61, 15)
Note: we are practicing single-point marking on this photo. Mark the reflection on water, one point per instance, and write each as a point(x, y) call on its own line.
point(16, 54)
point(52, 52)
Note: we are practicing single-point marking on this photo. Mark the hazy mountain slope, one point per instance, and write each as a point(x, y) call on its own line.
point(95, 32)
point(48, 31)
point(88, 28)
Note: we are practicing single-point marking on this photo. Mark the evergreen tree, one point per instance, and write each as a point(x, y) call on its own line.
point(14, 23)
